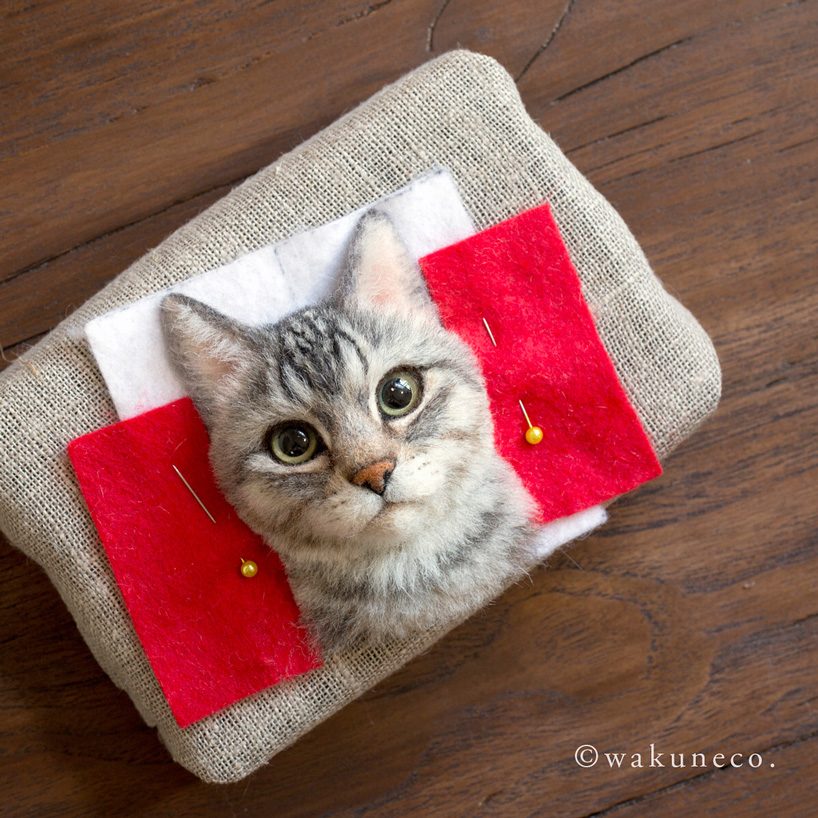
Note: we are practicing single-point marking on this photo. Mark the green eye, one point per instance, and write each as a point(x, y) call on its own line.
point(294, 442)
point(399, 393)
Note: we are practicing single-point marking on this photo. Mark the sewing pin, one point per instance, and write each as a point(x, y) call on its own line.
point(195, 496)
point(533, 434)
point(488, 330)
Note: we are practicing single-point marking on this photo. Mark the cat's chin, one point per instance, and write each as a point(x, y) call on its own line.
point(389, 523)
point(396, 515)
point(394, 523)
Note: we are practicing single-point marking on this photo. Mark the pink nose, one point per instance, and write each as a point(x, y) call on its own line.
point(374, 476)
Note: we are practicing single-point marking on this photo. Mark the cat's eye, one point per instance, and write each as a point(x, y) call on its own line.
point(399, 393)
point(294, 442)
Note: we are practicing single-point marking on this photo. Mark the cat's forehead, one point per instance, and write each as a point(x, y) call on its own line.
point(309, 332)
point(308, 352)
point(328, 351)
point(329, 341)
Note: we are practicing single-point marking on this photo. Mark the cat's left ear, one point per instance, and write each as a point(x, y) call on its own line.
point(379, 270)
point(208, 350)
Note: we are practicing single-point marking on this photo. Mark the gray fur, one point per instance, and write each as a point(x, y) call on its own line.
point(451, 529)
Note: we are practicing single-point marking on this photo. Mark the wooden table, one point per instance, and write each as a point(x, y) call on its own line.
point(690, 622)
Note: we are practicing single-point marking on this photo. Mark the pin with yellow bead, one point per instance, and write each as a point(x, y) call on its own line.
point(533, 434)
point(248, 568)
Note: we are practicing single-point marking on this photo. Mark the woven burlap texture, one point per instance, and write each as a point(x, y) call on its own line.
point(461, 111)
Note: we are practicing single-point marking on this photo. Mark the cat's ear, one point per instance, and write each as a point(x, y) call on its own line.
point(207, 349)
point(379, 270)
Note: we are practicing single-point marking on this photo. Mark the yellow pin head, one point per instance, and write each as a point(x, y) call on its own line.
point(533, 434)
point(248, 569)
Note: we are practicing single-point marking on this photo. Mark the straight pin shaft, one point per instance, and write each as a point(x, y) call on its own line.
point(195, 496)
point(488, 330)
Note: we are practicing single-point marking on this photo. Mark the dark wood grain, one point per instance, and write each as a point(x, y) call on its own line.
point(690, 621)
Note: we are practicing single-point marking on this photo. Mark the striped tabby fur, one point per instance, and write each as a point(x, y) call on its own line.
point(451, 527)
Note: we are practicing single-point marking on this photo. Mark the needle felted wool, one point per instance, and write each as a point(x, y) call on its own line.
point(519, 277)
point(212, 635)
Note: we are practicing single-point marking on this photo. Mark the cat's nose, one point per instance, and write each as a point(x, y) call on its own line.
point(375, 476)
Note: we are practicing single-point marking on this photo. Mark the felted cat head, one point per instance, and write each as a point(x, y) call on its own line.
point(358, 422)
point(355, 437)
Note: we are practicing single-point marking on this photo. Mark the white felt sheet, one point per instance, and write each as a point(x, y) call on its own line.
point(557, 533)
point(262, 287)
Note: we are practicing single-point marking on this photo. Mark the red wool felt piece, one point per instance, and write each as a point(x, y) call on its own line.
point(519, 277)
point(211, 635)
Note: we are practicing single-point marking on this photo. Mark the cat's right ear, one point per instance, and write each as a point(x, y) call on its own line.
point(207, 349)
point(380, 272)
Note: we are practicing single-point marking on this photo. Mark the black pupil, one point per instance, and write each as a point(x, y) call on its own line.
point(397, 393)
point(294, 441)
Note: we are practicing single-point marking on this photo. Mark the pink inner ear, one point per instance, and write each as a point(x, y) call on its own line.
point(519, 277)
point(385, 274)
point(383, 296)
point(377, 288)
point(212, 369)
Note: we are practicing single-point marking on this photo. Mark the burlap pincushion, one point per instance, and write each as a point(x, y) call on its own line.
point(461, 111)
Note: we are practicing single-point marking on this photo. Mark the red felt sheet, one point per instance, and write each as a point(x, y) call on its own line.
point(519, 277)
point(211, 635)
